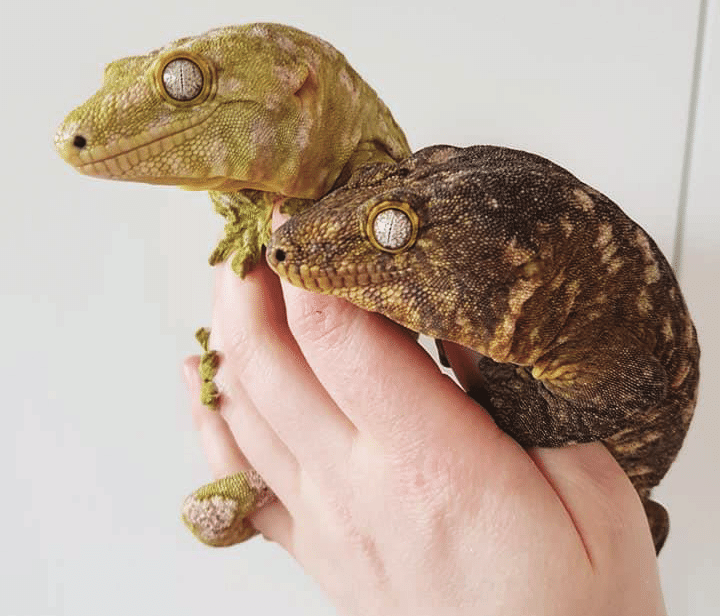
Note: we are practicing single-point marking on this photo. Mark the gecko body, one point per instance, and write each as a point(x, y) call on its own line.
point(579, 325)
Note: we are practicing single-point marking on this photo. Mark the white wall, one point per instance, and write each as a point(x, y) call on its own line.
point(103, 283)
point(691, 566)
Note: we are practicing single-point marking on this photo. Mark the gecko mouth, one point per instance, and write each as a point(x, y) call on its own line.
point(327, 279)
point(118, 158)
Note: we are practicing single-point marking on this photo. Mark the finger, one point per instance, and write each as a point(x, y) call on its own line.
point(347, 348)
point(600, 500)
point(226, 458)
point(238, 434)
point(264, 449)
point(275, 524)
point(220, 447)
point(261, 359)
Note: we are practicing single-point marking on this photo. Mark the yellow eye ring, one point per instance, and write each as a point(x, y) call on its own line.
point(392, 226)
point(184, 79)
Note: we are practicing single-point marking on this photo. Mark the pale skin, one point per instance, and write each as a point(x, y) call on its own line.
point(397, 492)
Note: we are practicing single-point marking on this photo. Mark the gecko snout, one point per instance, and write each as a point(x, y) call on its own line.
point(71, 142)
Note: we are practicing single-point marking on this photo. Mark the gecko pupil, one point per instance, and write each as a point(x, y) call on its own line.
point(279, 255)
point(79, 142)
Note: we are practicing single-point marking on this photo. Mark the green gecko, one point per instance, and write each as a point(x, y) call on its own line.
point(260, 115)
point(579, 325)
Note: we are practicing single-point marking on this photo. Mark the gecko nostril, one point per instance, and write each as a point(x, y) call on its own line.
point(279, 255)
point(79, 142)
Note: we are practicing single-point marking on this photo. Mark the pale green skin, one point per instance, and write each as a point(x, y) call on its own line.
point(285, 120)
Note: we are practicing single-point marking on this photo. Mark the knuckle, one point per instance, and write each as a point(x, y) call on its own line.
point(361, 540)
point(617, 505)
point(240, 359)
point(235, 344)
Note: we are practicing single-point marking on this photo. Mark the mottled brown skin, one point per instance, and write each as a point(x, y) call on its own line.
point(580, 323)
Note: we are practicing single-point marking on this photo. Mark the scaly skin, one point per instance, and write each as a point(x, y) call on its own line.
point(279, 112)
point(259, 115)
point(581, 329)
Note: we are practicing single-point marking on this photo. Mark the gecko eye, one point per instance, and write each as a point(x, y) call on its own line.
point(184, 80)
point(392, 226)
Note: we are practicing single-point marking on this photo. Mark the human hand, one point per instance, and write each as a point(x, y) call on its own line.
point(397, 492)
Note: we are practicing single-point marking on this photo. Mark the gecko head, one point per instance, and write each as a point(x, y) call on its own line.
point(386, 242)
point(224, 111)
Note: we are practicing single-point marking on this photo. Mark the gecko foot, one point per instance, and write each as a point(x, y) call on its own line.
point(244, 256)
point(247, 228)
point(209, 362)
point(216, 513)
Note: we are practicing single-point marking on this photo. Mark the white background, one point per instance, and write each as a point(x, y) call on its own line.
point(103, 283)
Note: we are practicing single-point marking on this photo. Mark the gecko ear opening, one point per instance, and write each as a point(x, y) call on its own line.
point(308, 87)
point(392, 226)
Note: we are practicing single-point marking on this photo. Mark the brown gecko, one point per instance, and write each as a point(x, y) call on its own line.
point(580, 326)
